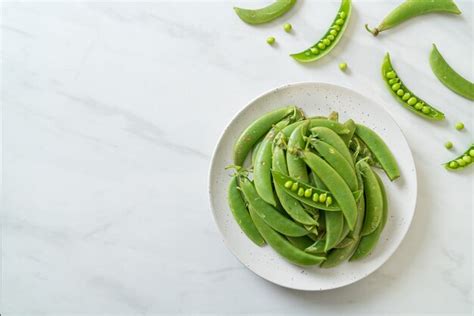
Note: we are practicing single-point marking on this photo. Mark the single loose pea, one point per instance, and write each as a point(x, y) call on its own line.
point(461, 162)
point(395, 86)
point(330, 37)
point(333, 32)
point(390, 74)
point(419, 106)
point(459, 126)
point(326, 42)
point(406, 96)
point(342, 14)
point(411, 101)
point(271, 40)
point(321, 45)
point(314, 50)
point(308, 193)
point(453, 164)
point(288, 184)
point(471, 152)
point(336, 27)
point(329, 201)
point(315, 197)
point(343, 66)
point(425, 109)
point(287, 27)
point(400, 92)
point(448, 145)
point(467, 158)
point(294, 187)
point(393, 80)
point(339, 22)
point(322, 197)
point(300, 192)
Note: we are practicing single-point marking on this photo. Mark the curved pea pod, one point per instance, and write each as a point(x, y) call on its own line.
point(345, 169)
point(265, 14)
point(413, 8)
point(255, 151)
point(269, 214)
point(361, 151)
point(317, 247)
point(256, 131)
point(282, 246)
point(262, 175)
point(449, 77)
point(330, 137)
point(344, 234)
point(461, 161)
point(380, 150)
point(296, 166)
point(291, 205)
point(300, 242)
point(405, 96)
point(336, 185)
point(373, 199)
point(345, 242)
point(336, 127)
point(334, 225)
point(241, 214)
point(351, 126)
point(322, 47)
point(368, 243)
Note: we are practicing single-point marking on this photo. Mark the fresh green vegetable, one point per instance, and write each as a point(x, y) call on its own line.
point(448, 145)
point(287, 27)
point(265, 14)
point(270, 40)
point(461, 161)
point(343, 66)
point(373, 199)
point(459, 126)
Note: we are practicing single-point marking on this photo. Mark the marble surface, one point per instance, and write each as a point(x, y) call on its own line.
point(111, 112)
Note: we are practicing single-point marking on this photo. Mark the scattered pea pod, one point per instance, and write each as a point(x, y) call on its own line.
point(462, 161)
point(330, 39)
point(265, 14)
point(449, 77)
point(413, 8)
point(403, 95)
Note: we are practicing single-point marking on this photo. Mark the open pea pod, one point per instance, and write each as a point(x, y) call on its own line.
point(461, 161)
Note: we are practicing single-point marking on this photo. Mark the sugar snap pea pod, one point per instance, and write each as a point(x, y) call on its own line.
point(328, 136)
point(344, 233)
point(300, 242)
point(368, 243)
point(373, 199)
point(413, 8)
point(262, 175)
point(317, 181)
point(256, 131)
point(334, 225)
point(269, 214)
point(449, 77)
point(241, 214)
point(317, 247)
point(336, 185)
point(330, 39)
point(338, 162)
point(296, 166)
point(380, 150)
point(254, 152)
point(405, 96)
point(265, 14)
point(336, 127)
point(291, 205)
point(281, 245)
point(461, 161)
point(351, 126)
point(347, 241)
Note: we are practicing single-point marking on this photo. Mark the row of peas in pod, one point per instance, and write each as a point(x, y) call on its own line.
point(311, 192)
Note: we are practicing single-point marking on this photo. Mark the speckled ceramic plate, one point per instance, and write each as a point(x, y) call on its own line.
point(315, 99)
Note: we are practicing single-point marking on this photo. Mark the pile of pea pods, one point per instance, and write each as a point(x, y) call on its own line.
point(310, 191)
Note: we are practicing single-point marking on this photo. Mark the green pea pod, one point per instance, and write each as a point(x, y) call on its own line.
point(461, 161)
point(380, 150)
point(262, 175)
point(336, 185)
point(256, 131)
point(296, 166)
point(300, 242)
point(368, 243)
point(255, 151)
point(345, 242)
point(345, 169)
point(291, 205)
point(265, 14)
point(405, 96)
point(318, 182)
point(281, 245)
point(336, 127)
point(334, 225)
point(361, 151)
point(373, 199)
point(449, 77)
point(330, 137)
point(241, 214)
point(269, 214)
point(351, 126)
point(322, 47)
point(345, 232)
point(413, 8)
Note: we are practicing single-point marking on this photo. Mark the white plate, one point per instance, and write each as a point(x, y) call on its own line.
point(315, 99)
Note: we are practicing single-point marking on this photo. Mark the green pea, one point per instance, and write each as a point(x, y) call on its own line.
point(459, 126)
point(453, 164)
point(326, 42)
point(287, 27)
point(315, 197)
point(333, 32)
point(322, 197)
point(342, 14)
point(339, 22)
point(419, 106)
point(448, 145)
point(400, 92)
point(336, 27)
point(314, 50)
point(461, 162)
point(308, 53)
point(329, 200)
point(393, 80)
point(390, 74)
point(406, 96)
point(321, 45)
point(308, 193)
point(467, 159)
point(294, 187)
point(471, 152)
point(300, 192)
point(411, 101)
point(288, 184)
point(395, 86)
point(426, 109)
point(343, 66)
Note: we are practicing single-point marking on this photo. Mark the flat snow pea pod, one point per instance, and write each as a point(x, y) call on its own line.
point(254, 152)
point(262, 175)
point(373, 199)
point(368, 243)
point(241, 214)
point(265, 14)
point(281, 245)
point(334, 225)
point(344, 233)
point(408, 99)
point(338, 162)
point(345, 242)
point(269, 214)
point(380, 150)
point(256, 131)
point(328, 136)
point(296, 166)
point(413, 8)
point(336, 185)
point(291, 205)
point(449, 77)
point(300, 242)
point(461, 161)
point(351, 126)
point(330, 39)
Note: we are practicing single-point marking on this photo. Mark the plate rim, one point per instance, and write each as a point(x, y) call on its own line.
point(244, 108)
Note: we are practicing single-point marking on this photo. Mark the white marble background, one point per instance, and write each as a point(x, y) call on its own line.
point(111, 112)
